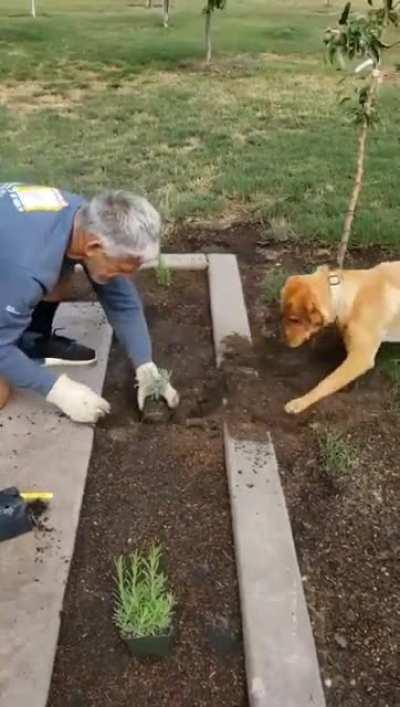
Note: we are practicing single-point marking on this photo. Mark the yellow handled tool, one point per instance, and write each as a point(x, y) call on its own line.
point(32, 496)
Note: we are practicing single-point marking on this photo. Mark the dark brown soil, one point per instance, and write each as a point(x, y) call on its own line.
point(36, 510)
point(168, 482)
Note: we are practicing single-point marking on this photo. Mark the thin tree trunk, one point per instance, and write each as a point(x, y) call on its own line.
point(208, 36)
point(33, 8)
point(166, 12)
point(148, 3)
point(359, 176)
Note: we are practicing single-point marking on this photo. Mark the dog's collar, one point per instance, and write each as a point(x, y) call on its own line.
point(335, 286)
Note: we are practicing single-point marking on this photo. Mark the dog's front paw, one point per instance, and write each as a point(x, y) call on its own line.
point(293, 407)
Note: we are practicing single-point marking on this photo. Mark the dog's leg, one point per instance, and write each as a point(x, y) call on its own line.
point(358, 361)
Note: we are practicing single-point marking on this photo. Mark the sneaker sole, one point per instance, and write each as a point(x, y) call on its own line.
point(48, 362)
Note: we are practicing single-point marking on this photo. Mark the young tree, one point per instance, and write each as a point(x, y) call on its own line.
point(149, 4)
point(33, 8)
point(360, 38)
point(208, 11)
point(166, 12)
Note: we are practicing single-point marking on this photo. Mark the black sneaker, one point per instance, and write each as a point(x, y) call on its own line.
point(55, 350)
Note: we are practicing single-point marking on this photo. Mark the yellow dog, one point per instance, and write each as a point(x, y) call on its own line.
point(364, 304)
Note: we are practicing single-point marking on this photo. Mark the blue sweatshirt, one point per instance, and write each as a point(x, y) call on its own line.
point(35, 230)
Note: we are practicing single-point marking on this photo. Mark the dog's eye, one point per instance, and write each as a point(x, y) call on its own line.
point(294, 320)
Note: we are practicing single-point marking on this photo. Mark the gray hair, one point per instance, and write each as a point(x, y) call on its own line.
point(127, 224)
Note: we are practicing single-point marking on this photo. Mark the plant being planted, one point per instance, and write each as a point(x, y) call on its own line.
point(159, 384)
point(144, 607)
point(155, 406)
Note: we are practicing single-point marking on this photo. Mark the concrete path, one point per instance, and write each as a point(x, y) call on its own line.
point(180, 261)
point(228, 309)
point(281, 662)
point(39, 449)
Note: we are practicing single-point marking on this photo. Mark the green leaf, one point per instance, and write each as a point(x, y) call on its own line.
point(376, 54)
point(363, 95)
point(345, 14)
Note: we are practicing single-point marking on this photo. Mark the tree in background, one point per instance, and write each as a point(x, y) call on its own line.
point(33, 8)
point(166, 12)
point(208, 11)
point(165, 5)
point(359, 38)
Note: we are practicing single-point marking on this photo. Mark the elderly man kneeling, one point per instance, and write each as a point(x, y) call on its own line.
point(44, 232)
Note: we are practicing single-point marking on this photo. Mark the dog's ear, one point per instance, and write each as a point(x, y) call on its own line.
point(311, 307)
point(314, 313)
point(290, 289)
point(300, 298)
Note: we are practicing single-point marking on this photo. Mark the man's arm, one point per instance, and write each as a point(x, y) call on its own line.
point(19, 294)
point(123, 307)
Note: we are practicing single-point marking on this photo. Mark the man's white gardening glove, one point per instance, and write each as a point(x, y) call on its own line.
point(151, 382)
point(77, 401)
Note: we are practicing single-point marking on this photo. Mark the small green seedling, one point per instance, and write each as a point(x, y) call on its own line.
point(337, 455)
point(273, 283)
point(390, 365)
point(143, 604)
point(280, 230)
point(164, 275)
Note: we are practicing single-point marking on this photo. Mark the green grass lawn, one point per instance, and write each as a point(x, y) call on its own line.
point(97, 94)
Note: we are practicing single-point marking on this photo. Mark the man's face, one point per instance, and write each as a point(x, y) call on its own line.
point(102, 268)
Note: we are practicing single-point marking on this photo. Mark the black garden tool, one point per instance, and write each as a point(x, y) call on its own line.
point(18, 511)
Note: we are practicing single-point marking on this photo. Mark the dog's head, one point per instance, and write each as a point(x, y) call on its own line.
point(302, 312)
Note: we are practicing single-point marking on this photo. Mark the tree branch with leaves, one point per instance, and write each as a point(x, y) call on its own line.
point(359, 38)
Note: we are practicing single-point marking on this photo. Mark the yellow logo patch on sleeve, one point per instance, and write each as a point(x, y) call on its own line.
point(32, 198)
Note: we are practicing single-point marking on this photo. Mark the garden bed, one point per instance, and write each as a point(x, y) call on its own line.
point(168, 482)
point(158, 482)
